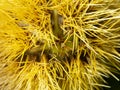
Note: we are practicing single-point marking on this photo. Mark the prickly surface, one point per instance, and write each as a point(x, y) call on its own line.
point(58, 44)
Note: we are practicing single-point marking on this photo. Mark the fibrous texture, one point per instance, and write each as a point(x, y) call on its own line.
point(58, 44)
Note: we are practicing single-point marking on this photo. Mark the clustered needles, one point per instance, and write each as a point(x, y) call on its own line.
point(58, 44)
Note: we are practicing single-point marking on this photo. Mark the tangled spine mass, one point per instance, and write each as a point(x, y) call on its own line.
point(58, 44)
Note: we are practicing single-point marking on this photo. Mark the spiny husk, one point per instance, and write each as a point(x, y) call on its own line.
point(32, 59)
